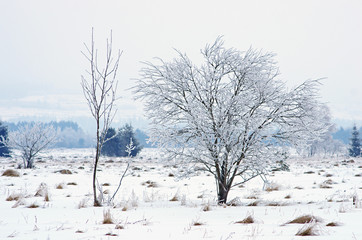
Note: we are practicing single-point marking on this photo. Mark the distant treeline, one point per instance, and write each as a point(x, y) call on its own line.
point(71, 135)
point(344, 135)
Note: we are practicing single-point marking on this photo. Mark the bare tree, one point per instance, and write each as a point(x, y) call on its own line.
point(231, 115)
point(31, 139)
point(99, 89)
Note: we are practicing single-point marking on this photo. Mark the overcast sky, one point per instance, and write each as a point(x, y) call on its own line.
point(40, 44)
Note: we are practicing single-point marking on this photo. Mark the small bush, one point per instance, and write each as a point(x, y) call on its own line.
point(11, 173)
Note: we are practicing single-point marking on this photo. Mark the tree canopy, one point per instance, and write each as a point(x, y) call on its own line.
point(231, 114)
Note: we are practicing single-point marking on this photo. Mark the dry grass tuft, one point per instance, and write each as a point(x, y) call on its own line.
point(59, 186)
point(33, 205)
point(288, 196)
point(65, 171)
point(197, 223)
point(18, 203)
point(150, 184)
point(328, 175)
point(106, 184)
point(42, 190)
point(248, 220)
point(305, 219)
point(276, 204)
point(358, 175)
point(111, 234)
point(83, 203)
point(234, 202)
point(308, 229)
point(72, 183)
point(333, 224)
point(272, 187)
point(309, 172)
point(14, 197)
point(107, 217)
point(175, 198)
point(11, 173)
point(207, 207)
point(253, 204)
point(119, 226)
point(171, 175)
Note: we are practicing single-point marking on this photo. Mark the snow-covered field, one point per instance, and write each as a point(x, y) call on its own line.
point(43, 203)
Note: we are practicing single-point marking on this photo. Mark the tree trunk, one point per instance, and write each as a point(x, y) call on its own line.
point(96, 202)
point(222, 193)
point(29, 163)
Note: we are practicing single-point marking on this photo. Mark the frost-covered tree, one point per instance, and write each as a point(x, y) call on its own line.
point(230, 115)
point(30, 140)
point(4, 150)
point(99, 88)
point(324, 146)
point(355, 145)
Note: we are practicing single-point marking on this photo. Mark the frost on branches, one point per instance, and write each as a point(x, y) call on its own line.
point(230, 115)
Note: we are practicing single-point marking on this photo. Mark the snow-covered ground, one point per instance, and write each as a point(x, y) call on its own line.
point(323, 188)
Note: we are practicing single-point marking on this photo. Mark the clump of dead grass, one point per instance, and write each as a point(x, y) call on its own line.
point(235, 202)
point(288, 196)
point(305, 219)
point(175, 198)
point(33, 205)
point(272, 187)
point(59, 186)
point(248, 220)
point(11, 173)
point(14, 197)
point(72, 183)
point(150, 184)
point(107, 217)
point(333, 224)
point(65, 171)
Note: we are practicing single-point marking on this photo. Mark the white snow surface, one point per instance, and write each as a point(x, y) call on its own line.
point(142, 208)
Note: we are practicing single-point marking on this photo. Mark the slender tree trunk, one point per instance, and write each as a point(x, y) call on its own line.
point(96, 202)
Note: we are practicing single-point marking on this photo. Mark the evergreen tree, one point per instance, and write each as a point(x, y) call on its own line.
point(355, 145)
point(116, 142)
point(4, 150)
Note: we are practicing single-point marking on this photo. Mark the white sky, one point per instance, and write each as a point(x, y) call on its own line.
point(40, 44)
